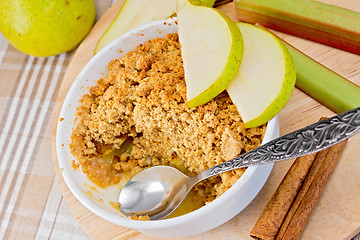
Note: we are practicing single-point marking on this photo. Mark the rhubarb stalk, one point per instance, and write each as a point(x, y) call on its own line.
point(309, 19)
point(324, 85)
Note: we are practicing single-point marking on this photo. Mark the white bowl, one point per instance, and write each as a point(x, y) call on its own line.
point(98, 200)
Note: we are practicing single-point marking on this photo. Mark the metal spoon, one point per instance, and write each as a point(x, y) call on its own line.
point(158, 191)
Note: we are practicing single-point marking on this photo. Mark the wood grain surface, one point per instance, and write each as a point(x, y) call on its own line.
point(337, 216)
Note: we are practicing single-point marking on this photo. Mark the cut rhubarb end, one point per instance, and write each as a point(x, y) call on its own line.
point(315, 21)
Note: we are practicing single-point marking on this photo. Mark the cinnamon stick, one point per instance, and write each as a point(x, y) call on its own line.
point(303, 212)
point(290, 208)
point(304, 188)
point(275, 211)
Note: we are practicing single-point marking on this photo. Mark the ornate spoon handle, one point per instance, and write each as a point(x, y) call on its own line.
point(307, 140)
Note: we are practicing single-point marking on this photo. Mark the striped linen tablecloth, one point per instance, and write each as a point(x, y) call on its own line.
point(31, 203)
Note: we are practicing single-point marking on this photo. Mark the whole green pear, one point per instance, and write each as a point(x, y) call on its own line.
point(44, 28)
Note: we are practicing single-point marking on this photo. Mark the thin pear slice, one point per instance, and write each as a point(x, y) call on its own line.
point(135, 13)
point(265, 79)
point(211, 48)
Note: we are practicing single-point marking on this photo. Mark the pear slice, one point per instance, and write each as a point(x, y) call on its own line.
point(266, 76)
point(211, 49)
point(135, 13)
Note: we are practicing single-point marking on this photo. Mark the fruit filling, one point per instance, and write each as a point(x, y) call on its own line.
point(137, 117)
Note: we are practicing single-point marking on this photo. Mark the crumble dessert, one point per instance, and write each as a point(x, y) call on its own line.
point(137, 117)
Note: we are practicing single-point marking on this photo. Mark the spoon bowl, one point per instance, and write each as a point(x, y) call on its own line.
point(156, 192)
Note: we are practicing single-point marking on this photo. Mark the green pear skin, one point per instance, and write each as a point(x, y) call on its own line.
point(45, 28)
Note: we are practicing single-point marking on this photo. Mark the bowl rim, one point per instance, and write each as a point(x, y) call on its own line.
point(124, 221)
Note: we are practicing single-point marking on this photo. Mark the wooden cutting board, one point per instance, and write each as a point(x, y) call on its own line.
point(337, 216)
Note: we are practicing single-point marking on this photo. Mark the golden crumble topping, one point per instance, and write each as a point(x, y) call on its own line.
point(137, 117)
